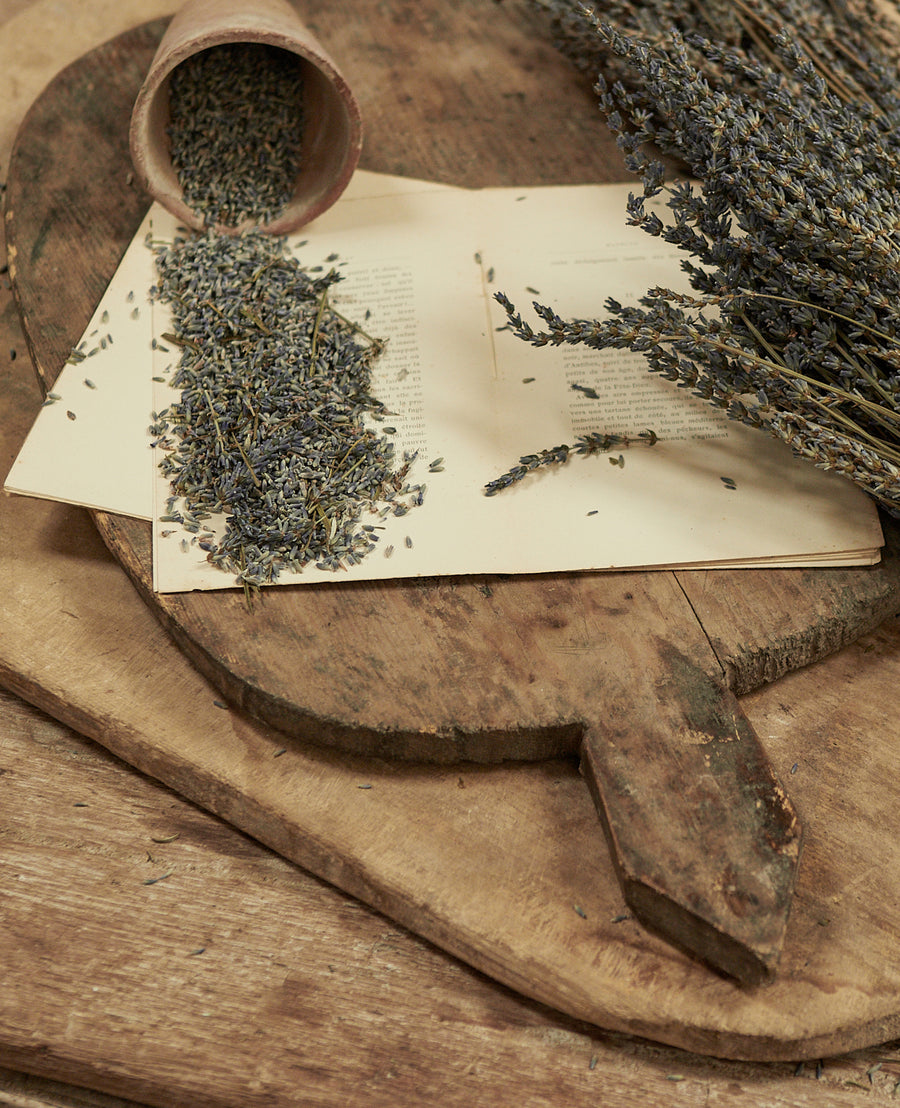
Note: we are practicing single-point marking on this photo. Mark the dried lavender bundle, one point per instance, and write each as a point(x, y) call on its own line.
point(840, 36)
point(270, 427)
point(793, 232)
point(236, 131)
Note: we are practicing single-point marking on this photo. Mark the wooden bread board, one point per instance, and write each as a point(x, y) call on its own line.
point(816, 612)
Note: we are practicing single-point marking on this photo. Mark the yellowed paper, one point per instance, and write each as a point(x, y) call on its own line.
point(425, 265)
point(89, 443)
point(425, 260)
point(91, 446)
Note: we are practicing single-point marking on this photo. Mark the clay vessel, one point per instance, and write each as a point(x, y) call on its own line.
point(332, 138)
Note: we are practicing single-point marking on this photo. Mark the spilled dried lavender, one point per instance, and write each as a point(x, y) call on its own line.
point(270, 428)
point(236, 131)
point(790, 121)
point(270, 425)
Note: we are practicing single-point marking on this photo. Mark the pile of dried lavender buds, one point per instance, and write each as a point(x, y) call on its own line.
point(273, 427)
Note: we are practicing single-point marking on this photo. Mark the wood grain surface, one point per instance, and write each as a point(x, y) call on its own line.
point(445, 669)
point(239, 980)
point(83, 627)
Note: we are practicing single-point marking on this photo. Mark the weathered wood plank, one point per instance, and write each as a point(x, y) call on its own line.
point(85, 921)
point(85, 638)
point(705, 842)
point(792, 617)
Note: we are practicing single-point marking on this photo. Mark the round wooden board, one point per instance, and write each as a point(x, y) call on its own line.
point(725, 1021)
point(436, 669)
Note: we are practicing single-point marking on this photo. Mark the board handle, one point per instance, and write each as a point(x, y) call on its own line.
point(704, 839)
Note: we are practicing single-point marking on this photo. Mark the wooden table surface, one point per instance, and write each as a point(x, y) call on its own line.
point(380, 1016)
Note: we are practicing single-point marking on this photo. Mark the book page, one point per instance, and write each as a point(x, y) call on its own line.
point(408, 277)
point(463, 388)
point(89, 443)
point(711, 491)
point(101, 458)
point(421, 269)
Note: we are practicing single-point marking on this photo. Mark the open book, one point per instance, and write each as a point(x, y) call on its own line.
point(421, 264)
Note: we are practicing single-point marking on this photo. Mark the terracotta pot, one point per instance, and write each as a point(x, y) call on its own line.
point(332, 137)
